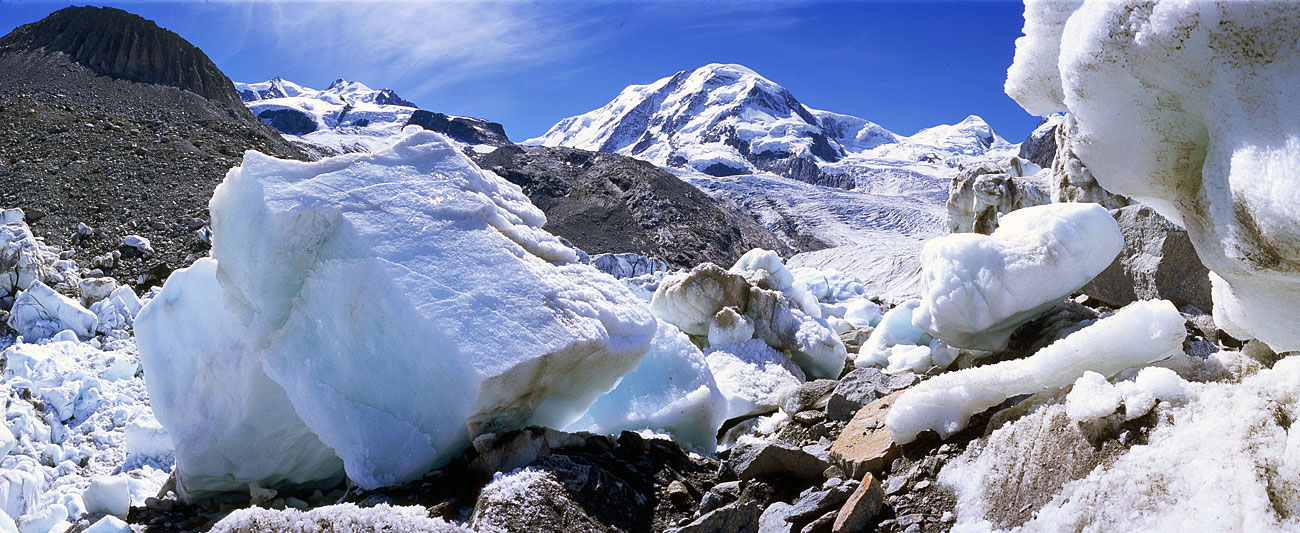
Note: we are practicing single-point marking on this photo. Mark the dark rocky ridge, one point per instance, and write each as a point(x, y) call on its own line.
point(124, 157)
point(612, 203)
point(122, 45)
point(464, 129)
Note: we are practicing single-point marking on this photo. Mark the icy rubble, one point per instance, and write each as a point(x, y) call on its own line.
point(1138, 334)
point(978, 289)
point(981, 194)
point(1186, 107)
point(766, 294)
point(74, 409)
point(409, 267)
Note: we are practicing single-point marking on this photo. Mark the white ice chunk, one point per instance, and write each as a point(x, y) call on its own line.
point(117, 311)
point(1091, 398)
point(110, 495)
point(729, 327)
point(894, 329)
point(671, 391)
point(7, 440)
point(752, 376)
point(405, 300)
point(19, 490)
point(1139, 333)
point(978, 289)
point(862, 313)
point(207, 387)
point(108, 524)
point(145, 437)
point(39, 313)
point(909, 359)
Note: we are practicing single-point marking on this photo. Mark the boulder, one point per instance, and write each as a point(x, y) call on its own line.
point(736, 517)
point(1158, 263)
point(531, 500)
point(866, 444)
point(862, 506)
point(749, 461)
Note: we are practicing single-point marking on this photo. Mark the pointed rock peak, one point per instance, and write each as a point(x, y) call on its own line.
point(122, 45)
point(337, 84)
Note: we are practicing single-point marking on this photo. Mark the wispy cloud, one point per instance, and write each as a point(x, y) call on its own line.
point(425, 45)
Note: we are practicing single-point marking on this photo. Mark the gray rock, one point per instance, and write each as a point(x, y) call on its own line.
point(531, 501)
point(740, 517)
point(776, 458)
point(773, 519)
point(822, 523)
point(720, 495)
point(858, 388)
point(810, 395)
point(1158, 262)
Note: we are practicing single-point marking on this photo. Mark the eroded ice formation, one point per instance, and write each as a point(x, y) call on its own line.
point(1187, 107)
point(977, 289)
point(1138, 334)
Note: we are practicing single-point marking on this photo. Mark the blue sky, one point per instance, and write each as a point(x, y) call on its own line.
point(904, 65)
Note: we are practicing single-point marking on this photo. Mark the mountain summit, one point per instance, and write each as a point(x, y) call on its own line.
point(724, 119)
point(122, 45)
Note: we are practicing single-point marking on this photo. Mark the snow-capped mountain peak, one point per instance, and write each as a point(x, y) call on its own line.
point(719, 119)
point(725, 119)
point(340, 92)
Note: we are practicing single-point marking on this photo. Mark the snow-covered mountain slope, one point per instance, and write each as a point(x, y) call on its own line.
point(346, 117)
point(725, 120)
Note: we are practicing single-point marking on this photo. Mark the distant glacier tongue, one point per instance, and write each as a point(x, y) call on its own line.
point(405, 301)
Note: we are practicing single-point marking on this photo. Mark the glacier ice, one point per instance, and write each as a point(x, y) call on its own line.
point(753, 377)
point(1187, 107)
point(894, 334)
point(207, 387)
point(672, 391)
point(39, 312)
point(978, 289)
point(1138, 334)
point(409, 267)
point(759, 289)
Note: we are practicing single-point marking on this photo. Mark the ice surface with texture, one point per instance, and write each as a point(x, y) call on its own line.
point(672, 391)
point(978, 289)
point(39, 312)
point(1187, 107)
point(753, 377)
point(782, 279)
point(1138, 334)
point(208, 389)
point(412, 268)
